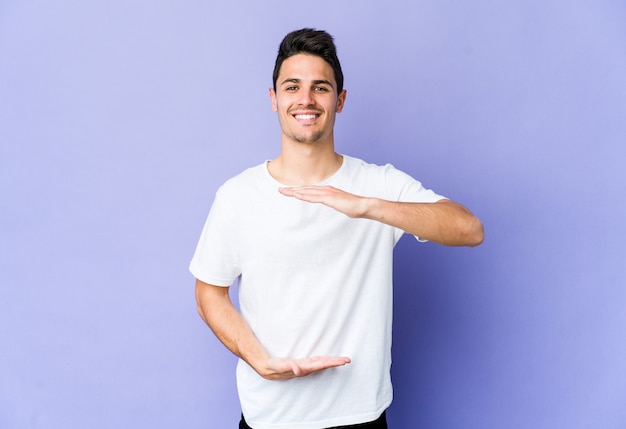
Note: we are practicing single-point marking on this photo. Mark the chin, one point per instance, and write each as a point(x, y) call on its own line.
point(315, 138)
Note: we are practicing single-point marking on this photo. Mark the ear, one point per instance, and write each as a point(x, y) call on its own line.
point(341, 100)
point(273, 98)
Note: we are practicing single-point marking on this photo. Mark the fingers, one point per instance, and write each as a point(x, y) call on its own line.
point(284, 369)
point(314, 194)
point(327, 195)
point(319, 363)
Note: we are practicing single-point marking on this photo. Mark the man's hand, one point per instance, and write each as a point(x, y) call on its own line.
point(344, 202)
point(285, 369)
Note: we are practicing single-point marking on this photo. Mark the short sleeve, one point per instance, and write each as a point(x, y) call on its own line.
point(216, 259)
point(405, 188)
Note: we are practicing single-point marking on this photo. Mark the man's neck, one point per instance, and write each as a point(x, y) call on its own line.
point(301, 164)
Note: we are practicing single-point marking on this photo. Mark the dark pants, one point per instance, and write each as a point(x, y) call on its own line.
point(379, 423)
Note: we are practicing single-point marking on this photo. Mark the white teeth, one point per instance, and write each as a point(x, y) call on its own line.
point(305, 117)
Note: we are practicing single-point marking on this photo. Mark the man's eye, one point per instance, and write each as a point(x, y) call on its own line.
point(321, 89)
point(291, 88)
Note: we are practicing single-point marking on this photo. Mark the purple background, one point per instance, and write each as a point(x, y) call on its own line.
point(119, 120)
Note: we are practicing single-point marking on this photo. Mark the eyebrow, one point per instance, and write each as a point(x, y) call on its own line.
point(315, 82)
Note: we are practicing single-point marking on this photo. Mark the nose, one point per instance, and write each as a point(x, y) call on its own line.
point(306, 97)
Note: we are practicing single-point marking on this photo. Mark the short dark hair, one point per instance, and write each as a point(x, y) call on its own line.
point(312, 42)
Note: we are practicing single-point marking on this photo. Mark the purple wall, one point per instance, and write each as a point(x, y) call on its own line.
point(118, 121)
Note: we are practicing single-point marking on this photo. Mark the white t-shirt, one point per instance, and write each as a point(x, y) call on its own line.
point(314, 282)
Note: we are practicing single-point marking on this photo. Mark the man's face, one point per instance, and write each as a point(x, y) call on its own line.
point(306, 99)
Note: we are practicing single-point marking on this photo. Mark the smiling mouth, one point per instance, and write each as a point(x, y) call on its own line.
point(305, 116)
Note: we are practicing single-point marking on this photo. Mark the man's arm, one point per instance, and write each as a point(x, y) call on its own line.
point(444, 222)
point(217, 310)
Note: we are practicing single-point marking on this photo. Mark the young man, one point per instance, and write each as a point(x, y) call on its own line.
point(310, 235)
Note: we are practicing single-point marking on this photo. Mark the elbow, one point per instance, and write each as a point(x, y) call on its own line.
point(475, 233)
point(463, 229)
point(201, 313)
point(467, 231)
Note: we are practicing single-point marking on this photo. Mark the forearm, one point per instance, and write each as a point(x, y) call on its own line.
point(444, 222)
point(216, 309)
point(228, 325)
